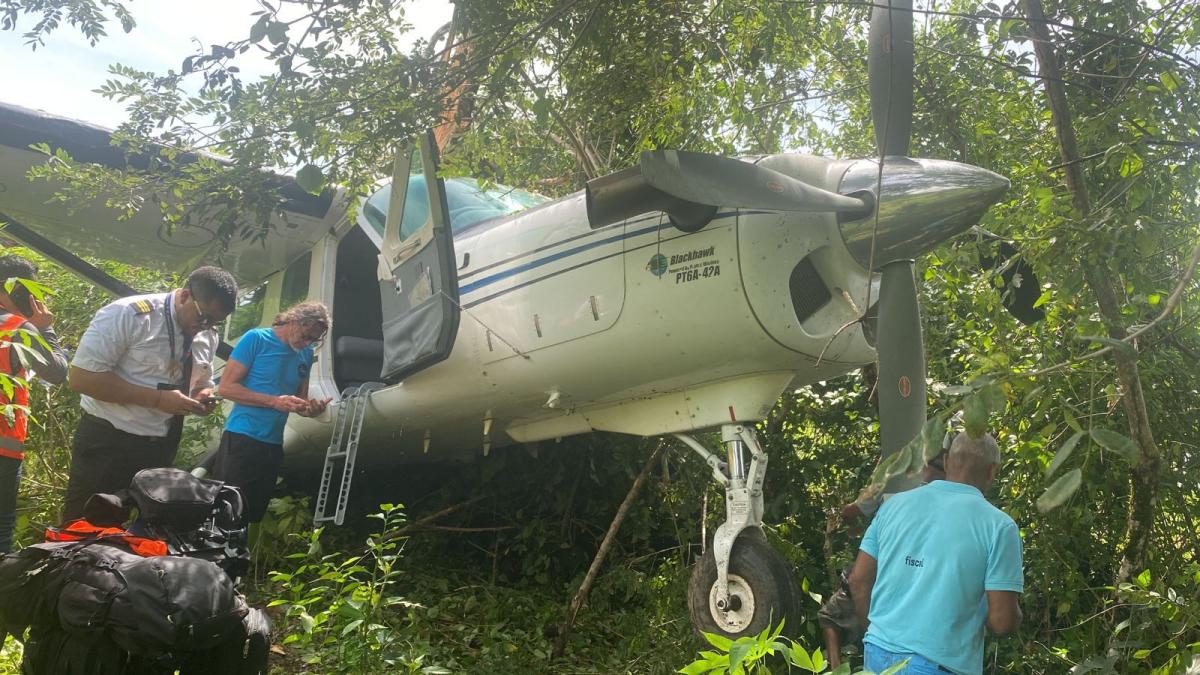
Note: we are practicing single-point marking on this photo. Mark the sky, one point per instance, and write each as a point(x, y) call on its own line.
point(59, 77)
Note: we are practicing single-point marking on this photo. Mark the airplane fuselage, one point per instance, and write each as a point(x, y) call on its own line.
point(638, 327)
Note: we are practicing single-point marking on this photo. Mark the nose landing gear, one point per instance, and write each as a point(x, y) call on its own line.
point(741, 585)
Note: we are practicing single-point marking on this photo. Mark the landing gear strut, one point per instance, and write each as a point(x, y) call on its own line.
point(741, 585)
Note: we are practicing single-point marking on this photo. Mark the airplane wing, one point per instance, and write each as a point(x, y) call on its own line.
point(143, 239)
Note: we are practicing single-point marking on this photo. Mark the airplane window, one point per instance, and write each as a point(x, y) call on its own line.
point(469, 203)
point(295, 282)
point(248, 313)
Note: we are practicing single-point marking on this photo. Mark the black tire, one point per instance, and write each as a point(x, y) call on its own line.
point(762, 580)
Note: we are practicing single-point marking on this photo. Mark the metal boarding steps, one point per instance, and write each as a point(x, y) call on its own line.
point(343, 447)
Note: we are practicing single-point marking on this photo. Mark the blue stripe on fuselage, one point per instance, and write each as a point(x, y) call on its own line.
point(500, 276)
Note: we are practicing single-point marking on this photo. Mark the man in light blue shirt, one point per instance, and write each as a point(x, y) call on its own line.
point(937, 565)
point(266, 378)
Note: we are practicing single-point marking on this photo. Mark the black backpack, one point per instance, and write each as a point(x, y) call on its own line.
point(95, 607)
point(30, 580)
point(245, 654)
point(51, 650)
point(148, 605)
point(198, 518)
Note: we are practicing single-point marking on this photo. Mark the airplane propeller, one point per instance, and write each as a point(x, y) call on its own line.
point(689, 186)
point(890, 75)
point(899, 344)
point(721, 181)
point(929, 200)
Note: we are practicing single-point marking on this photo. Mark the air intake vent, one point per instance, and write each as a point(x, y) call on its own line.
point(809, 292)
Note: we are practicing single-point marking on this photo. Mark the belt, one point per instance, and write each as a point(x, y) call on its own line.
point(108, 426)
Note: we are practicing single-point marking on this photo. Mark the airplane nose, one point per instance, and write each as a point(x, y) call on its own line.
point(922, 202)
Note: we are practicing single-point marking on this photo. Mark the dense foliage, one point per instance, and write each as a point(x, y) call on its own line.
point(1097, 403)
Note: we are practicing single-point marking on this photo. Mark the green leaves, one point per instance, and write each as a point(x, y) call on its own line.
point(707, 663)
point(1144, 579)
point(1060, 491)
point(37, 290)
point(894, 465)
point(978, 407)
point(738, 652)
point(1118, 444)
point(1067, 484)
point(310, 179)
point(1064, 452)
point(749, 654)
point(719, 641)
point(801, 659)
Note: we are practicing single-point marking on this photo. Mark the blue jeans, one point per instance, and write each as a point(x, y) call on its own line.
point(10, 480)
point(877, 659)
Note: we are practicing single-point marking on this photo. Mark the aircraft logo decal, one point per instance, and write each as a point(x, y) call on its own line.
point(657, 265)
point(694, 265)
point(905, 386)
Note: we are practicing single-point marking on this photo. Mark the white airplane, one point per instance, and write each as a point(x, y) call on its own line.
point(680, 295)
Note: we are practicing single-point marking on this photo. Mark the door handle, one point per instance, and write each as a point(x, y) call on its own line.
point(405, 249)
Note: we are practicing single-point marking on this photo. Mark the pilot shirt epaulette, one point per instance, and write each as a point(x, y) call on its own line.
point(142, 307)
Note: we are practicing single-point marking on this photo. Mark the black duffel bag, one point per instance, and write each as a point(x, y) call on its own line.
point(149, 605)
point(173, 497)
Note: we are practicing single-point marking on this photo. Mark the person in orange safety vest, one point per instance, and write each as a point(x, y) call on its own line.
point(21, 315)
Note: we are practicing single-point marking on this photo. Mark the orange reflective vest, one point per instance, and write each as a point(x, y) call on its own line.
point(14, 430)
point(79, 530)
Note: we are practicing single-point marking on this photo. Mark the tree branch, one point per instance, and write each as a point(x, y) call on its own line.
point(1145, 478)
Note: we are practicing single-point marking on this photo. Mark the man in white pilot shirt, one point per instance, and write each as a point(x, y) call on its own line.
point(130, 372)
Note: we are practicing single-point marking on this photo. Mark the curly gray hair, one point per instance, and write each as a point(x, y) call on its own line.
point(306, 314)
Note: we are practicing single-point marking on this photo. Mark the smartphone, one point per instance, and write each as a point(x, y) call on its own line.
point(210, 399)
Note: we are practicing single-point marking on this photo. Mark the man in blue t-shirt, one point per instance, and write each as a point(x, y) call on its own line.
point(266, 377)
point(937, 565)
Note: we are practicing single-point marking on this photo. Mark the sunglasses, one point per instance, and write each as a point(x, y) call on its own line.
point(206, 321)
point(316, 338)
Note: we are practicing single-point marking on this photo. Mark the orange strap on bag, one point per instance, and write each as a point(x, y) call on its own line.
point(79, 530)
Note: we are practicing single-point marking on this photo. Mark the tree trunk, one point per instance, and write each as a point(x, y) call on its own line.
point(1102, 281)
point(564, 630)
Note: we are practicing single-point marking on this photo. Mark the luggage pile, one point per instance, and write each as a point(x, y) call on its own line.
point(107, 595)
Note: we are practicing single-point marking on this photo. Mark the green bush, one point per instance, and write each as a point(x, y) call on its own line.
point(751, 655)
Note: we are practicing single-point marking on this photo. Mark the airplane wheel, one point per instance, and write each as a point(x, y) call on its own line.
point(761, 584)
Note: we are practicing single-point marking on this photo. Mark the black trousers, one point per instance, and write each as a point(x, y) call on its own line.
point(10, 481)
point(104, 459)
point(250, 465)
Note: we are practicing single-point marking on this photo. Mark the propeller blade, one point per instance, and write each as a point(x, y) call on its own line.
point(1021, 287)
point(902, 400)
point(719, 181)
point(890, 74)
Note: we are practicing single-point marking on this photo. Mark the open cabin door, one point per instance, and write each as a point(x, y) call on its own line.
point(418, 281)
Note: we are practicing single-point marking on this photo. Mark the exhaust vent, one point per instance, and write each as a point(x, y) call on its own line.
point(808, 289)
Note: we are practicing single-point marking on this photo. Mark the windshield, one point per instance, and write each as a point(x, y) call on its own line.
point(469, 203)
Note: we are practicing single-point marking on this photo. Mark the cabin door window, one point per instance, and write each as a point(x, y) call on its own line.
point(418, 284)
